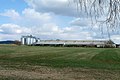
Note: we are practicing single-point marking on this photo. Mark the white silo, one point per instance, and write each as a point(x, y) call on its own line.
point(23, 40)
point(28, 40)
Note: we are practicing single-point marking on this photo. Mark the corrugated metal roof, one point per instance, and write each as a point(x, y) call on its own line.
point(74, 42)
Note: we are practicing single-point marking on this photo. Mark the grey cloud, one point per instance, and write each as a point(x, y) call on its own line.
point(59, 7)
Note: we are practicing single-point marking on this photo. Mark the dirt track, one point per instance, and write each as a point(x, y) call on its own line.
point(44, 73)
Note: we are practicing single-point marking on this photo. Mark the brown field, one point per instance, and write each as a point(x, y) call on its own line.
point(46, 73)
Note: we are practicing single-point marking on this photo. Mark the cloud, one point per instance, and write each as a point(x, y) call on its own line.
point(11, 14)
point(13, 29)
point(116, 38)
point(77, 36)
point(58, 7)
point(10, 32)
point(46, 31)
point(34, 15)
point(83, 22)
point(31, 17)
point(13, 32)
point(51, 27)
point(52, 31)
point(9, 37)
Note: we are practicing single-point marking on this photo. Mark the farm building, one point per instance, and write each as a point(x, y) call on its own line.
point(76, 43)
point(31, 40)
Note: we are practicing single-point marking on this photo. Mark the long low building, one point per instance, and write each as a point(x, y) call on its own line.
point(77, 43)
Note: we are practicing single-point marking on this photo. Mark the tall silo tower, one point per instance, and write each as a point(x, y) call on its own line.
point(28, 40)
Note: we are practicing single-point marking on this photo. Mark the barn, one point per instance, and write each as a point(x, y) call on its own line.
point(76, 43)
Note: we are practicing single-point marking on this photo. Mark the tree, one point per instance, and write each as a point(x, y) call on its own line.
point(109, 9)
point(17, 42)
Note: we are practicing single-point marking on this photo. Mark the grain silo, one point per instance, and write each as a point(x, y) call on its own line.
point(28, 40)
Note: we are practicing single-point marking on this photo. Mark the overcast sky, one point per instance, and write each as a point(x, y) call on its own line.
point(47, 19)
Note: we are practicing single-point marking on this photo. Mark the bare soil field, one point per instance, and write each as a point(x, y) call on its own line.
point(47, 73)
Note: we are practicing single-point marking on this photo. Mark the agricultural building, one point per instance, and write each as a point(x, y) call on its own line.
point(76, 43)
point(28, 40)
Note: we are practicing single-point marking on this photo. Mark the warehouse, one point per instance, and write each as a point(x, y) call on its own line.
point(76, 43)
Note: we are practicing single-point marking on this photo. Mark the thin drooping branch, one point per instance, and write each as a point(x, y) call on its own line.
point(107, 12)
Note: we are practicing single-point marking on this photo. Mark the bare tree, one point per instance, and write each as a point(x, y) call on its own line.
point(109, 10)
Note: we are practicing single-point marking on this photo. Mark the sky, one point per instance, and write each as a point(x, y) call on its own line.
point(48, 19)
